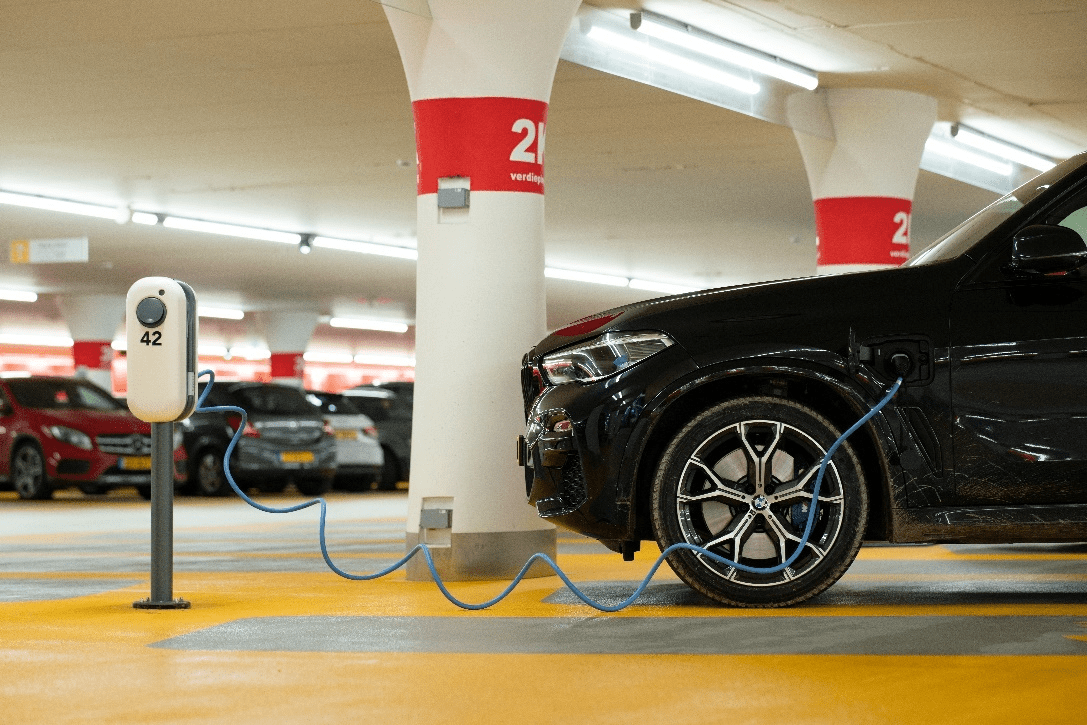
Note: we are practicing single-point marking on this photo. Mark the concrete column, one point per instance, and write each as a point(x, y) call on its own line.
point(862, 180)
point(480, 76)
point(288, 333)
point(93, 321)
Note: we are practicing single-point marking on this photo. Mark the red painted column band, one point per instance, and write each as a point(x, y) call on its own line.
point(863, 230)
point(287, 364)
point(498, 143)
point(93, 354)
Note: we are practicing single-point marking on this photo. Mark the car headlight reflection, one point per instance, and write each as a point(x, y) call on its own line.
point(603, 356)
point(71, 436)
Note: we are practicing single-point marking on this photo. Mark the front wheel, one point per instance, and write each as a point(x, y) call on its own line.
point(738, 481)
point(28, 473)
point(210, 477)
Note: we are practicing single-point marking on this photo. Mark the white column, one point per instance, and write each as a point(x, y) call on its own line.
point(288, 333)
point(480, 75)
point(93, 321)
point(862, 181)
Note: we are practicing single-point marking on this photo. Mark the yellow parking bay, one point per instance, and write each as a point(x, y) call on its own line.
point(932, 634)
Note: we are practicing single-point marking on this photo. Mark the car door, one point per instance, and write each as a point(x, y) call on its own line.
point(1019, 380)
point(6, 434)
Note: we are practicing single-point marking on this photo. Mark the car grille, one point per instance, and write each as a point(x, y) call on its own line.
point(531, 386)
point(572, 494)
point(129, 444)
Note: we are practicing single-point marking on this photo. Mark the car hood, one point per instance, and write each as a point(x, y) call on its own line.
point(782, 312)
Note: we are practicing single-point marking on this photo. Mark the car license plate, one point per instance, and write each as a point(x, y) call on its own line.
point(347, 435)
point(135, 463)
point(296, 457)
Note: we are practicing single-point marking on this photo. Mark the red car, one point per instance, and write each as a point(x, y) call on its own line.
point(57, 432)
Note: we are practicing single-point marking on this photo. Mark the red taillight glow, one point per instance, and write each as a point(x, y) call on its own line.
point(329, 430)
point(234, 420)
point(370, 431)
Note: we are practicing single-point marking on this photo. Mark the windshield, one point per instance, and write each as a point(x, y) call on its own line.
point(60, 395)
point(332, 404)
point(974, 229)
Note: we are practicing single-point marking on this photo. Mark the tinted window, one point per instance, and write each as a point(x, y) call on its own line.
point(60, 395)
point(376, 408)
point(274, 400)
point(332, 404)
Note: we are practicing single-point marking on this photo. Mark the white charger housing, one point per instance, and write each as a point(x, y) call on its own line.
point(161, 329)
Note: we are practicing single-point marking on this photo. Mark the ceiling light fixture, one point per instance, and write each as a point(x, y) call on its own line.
point(327, 356)
point(223, 313)
point(15, 338)
point(18, 295)
point(591, 277)
point(384, 250)
point(305, 244)
point(32, 201)
point(685, 36)
point(231, 230)
point(663, 287)
point(380, 325)
point(676, 62)
point(144, 217)
point(1003, 149)
point(249, 353)
point(386, 360)
point(954, 151)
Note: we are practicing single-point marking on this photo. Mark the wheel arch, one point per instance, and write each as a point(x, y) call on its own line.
point(822, 390)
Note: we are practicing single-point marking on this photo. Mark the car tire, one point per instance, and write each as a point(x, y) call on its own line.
point(707, 492)
point(93, 489)
point(313, 486)
point(390, 471)
point(28, 473)
point(274, 486)
point(145, 492)
point(210, 477)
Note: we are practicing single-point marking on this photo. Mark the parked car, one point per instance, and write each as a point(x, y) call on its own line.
point(701, 418)
point(285, 440)
point(359, 457)
point(390, 406)
point(59, 432)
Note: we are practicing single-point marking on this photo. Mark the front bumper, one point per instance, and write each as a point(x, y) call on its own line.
point(581, 443)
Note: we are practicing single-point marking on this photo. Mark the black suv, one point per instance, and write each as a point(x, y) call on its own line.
point(702, 418)
point(285, 440)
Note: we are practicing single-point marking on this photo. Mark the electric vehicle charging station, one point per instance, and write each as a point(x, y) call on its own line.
point(161, 329)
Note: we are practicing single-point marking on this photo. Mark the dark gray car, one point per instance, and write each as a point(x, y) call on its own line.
point(286, 440)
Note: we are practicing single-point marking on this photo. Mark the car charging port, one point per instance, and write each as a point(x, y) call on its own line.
point(906, 357)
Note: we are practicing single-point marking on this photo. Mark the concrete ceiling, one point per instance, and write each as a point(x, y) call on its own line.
point(294, 115)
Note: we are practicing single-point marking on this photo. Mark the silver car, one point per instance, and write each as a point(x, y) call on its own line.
point(359, 457)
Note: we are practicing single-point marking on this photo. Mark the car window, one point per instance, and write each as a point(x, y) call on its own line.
point(60, 395)
point(376, 408)
point(1077, 221)
point(332, 404)
point(274, 400)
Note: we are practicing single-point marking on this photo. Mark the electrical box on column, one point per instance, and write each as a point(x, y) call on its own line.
point(161, 330)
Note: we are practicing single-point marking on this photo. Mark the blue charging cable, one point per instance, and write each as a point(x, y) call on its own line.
point(425, 550)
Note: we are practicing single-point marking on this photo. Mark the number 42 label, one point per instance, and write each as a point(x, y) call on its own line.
point(153, 338)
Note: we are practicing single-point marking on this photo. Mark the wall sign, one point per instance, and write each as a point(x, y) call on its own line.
point(498, 143)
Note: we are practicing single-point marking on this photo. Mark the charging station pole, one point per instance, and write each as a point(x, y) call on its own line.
point(162, 522)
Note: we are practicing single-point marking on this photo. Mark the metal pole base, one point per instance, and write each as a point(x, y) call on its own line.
point(173, 604)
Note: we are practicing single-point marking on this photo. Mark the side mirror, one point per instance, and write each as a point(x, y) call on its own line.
point(1046, 249)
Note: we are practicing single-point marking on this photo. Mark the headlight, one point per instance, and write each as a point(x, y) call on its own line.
point(71, 436)
point(603, 356)
point(179, 437)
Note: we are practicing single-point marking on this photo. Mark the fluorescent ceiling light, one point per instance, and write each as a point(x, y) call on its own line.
point(16, 338)
point(1002, 149)
point(684, 36)
point(327, 356)
point(389, 360)
point(61, 205)
point(231, 230)
point(210, 350)
point(608, 279)
point(7, 374)
point(665, 287)
point(143, 217)
point(249, 353)
point(355, 324)
point(219, 312)
point(954, 151)
point(18, 295)
point(120, 344)
point(671, 60)
point(385, 250)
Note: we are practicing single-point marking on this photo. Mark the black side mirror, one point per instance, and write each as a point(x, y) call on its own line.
point(1047, 249)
